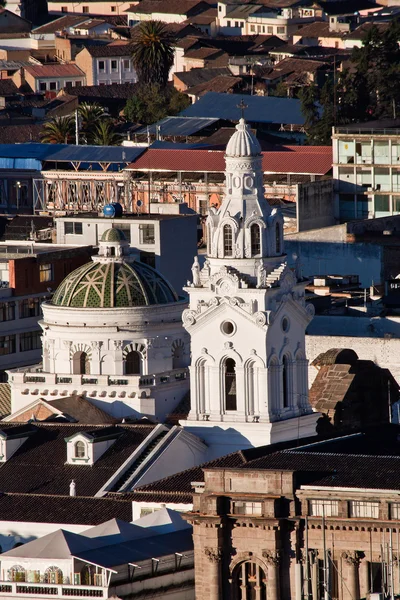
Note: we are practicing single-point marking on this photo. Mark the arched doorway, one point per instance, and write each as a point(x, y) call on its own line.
point(81, 363)
point(133, 363)
point(250, 582)
point(230, 384)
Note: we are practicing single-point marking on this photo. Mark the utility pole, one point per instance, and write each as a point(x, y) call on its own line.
point(76, 128)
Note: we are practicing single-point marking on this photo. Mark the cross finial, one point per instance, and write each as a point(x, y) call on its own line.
point(242, 106)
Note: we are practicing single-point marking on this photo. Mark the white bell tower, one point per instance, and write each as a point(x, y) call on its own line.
point(247, 318)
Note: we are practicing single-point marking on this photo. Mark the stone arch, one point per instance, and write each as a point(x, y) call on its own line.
point(178, 354)
point(134, 347)
point(249, 580)
point(230, 352)
point(80, 347)
point(81, 363)
point(273, 361)
point(244, 557)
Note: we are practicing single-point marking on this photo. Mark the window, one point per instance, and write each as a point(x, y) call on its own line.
point(74, 227)
point(255, 240)
point(280, 30)
point(7, 311)
point(113, 9)
point(29, 308)
point(127, 65)
point(29, 340)
point(278, 239)
point(53, 85)
point(64, 9)
point(45, 272)
point(270, 29)
point(395, 510)
point(7, 344)
point(250, 582)
point(228, 23)
point(42, 86)
point(368, 510)
point(146, 234)
point(252, 27)
point(236, 23)
point(80, 363)
point(285, 382)
point(85, 9)
point(324, 508)
point(53, 575)
point(114, 66)
point(102, 66)
point(219, 8)
point(228, 241)
point(80, 450)
point(230, 385)
point(132, 363)
point(17, 573)
point(241, 23)
point(247, 508)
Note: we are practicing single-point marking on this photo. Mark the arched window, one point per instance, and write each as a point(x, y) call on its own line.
point(285, 382)
point(230, 385)
point(81, 363)
point(132, 363)
point(201, 386)
point(53, 575)
point(278, 241)
point(255, 237)
point(17, 573)
point(250, 582)
point(80, 450)
point(178, 360)
point(228, 240)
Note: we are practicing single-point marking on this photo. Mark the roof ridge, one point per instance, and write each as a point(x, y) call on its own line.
point(347, 454)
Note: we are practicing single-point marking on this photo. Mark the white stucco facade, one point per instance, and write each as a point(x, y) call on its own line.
point(247, 318)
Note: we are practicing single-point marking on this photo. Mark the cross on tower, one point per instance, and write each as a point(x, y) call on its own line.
point(242, 106)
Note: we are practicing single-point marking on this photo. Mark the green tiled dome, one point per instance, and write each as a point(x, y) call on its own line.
point(113, 235)
point(113, 284)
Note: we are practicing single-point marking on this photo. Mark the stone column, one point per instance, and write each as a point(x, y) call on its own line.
point(214, 556)
point(364, 578)
point(118, 357)
point(272, 560)
point(352, 560)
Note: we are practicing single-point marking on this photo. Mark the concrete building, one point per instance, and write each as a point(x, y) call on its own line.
point(366, 171)
point(107, 64)
point(166, 240)
point(50, 78)
point(95, 7)
point(29, 273)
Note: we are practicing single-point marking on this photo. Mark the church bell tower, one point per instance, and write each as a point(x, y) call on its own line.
point(247, 318)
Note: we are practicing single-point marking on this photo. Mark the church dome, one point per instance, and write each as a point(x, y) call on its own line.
point(113, 284)
point(243, 142)
point(113, 235)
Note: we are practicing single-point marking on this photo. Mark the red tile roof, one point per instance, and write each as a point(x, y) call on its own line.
point(55, 71)
point(314, 160)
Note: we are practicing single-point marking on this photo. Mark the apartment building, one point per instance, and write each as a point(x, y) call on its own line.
point(29, 273)
point(50, 78)
point(104, 65)
point(366, 171)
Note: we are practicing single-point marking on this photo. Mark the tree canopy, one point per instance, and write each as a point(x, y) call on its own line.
point(152, 103)
point(153, 52)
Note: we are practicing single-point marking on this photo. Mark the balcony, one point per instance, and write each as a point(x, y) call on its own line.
point(20, 590)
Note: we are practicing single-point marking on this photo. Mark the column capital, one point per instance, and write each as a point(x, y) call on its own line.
point(352, 558)
point(214, 555)
point(271, 557)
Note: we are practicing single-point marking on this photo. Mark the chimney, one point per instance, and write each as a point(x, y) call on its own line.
point(72, 488)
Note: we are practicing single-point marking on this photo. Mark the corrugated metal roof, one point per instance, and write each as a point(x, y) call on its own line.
point(181, 126)
point(291, 159)
point(261, 109)
point(71, 153)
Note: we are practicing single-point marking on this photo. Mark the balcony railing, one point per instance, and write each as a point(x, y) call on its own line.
point(362, 131)
point(51, 379)
point(18, 589)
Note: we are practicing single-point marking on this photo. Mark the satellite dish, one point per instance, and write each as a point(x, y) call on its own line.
point(139, 203)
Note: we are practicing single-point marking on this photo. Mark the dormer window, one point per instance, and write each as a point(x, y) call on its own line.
point(80, 450)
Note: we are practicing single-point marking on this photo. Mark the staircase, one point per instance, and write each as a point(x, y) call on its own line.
point(275, 275)
point(121, 482)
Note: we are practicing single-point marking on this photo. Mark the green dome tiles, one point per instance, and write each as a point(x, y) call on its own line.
point(112, 285)
point(113, 235)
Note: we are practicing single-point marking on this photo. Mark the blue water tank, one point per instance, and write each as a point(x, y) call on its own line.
point(113, 210)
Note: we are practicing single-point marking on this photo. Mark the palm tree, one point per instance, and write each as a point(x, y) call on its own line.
point(104, 135)
point(153, 52)
point(90, 115)
point(59, 130)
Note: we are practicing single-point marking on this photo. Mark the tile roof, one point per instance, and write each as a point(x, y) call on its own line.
point(17, 134)
point(5, 400)
point(74, 408)
point(222, 83)
point(202, 53)
point(115, 91)
point(197, 76)
point(175, 7)
point(37, 508)
point(25, 471)
point(362, 30)
point(54, 71)
point(60, 24)
point(124, 49)
point(315, 160)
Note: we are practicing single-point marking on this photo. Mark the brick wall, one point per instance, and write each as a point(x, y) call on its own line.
point(84, 61)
